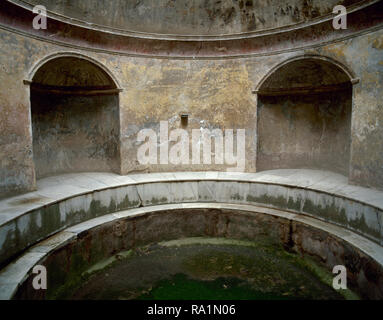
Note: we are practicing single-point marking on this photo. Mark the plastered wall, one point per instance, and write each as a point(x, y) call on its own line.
point(215, 94)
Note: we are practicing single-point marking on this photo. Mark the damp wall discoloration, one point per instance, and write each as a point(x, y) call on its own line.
point(311, 131)
point(20, 232)
point(364, 55)
point(16, 160)
point(88, 246)
point(40, 223)
point(197, 17)
point(215, 93)
point(75, 134)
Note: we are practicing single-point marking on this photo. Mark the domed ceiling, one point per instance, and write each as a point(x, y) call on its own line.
point(192, 17)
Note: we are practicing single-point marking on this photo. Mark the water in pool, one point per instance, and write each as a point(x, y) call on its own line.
point(208, 269)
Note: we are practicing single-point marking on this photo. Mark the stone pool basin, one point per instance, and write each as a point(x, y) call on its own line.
point(84, 219)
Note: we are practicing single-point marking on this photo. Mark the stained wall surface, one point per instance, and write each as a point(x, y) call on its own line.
point(311, 131)
point(304, 117)
point(196, 17)
point(75, 118)
point(75, 134)
point(217, 93)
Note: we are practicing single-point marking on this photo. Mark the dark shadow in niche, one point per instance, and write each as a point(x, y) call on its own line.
point(75, 118)
point(304, 117)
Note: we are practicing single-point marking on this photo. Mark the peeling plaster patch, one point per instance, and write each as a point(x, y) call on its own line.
point(378, 43)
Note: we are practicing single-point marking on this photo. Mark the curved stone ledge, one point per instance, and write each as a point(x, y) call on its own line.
point(67, 200)
point(98, 239)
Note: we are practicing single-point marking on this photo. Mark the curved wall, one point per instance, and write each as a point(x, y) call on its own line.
point(75, 118)
point(71, 254)
point(69, 200)
point(206, 79)
point(216, 81)
point(304, 117)
point(196, 17)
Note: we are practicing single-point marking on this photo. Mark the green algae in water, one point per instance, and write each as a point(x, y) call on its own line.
point(208, 269)
point(181, 287)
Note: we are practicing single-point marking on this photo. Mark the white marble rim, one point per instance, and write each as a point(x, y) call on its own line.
point(15, 273)
point(78, 184)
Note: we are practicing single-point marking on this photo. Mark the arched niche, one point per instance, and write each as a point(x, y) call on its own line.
point(304, 116)
point(75, 117)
